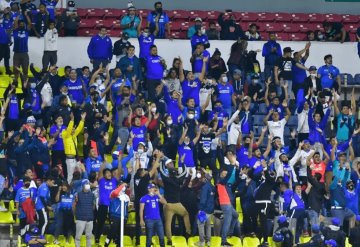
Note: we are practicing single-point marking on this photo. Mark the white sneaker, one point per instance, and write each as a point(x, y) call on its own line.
point(208, 243)
point(199, 244)
point(56, 242)
point(2, 209)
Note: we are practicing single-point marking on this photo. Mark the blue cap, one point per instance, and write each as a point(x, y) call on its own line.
point(315, 228)
point(312, 68)
point(335, 221)
point(150, 186)
point(306, 141)
point(278, 237)
point(282, 219)
point(357, 218)
point(202, 216)
point(84, 181)
point(331, 242)
point(27, 106)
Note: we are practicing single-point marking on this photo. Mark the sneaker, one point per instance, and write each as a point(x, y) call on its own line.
point(199, 244)
point(169, 242)
point(56, 242)
point(208, 243)
point(187, 235)
point(2, 209)
point(226, 244)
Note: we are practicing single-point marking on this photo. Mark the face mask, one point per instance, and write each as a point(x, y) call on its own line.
point(191, 116)
point(124, 41)
point(96, 98)
point(320, 36)
point(243, 176)
point(350, 187)
point(27, 185)
point(225, 79)
point(98, 81)
point(123, 189)
point(32, 85)
point(186, 143)
point(169, 122)
point(145, 34)
point(313, 75)
point(153, 110)
point(159, 10)
point(256, 81)
point(246, 145)
point(151, 194)
point(140, 151)
point(217, 108)
point(65, 93)
point(87, 187)
point(71, 8)
point(126, 94)
point(198, 175)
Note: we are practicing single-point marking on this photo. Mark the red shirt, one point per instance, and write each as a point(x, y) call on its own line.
point(318, 168)
point(224, 198)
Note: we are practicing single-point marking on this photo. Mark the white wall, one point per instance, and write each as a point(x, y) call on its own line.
point(72, 51)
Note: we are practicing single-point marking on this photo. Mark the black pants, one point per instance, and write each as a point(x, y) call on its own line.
point(101, 216)
point(49, 58)
point(58, 157)
point(211, 163)
point(114, 233)
point(261, 210)
point(70, 32)
point(43, 220)
point(137, 219)
point(151, 86)
point(250, 220)
point(5, 54)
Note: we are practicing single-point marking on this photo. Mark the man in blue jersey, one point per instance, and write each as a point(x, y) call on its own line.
point(130, 65)
point(21, 36)
point(146, 39)
point(197, 59)
point(162, 19)
point(155, 66)
point(43, 203)
point(225, 94)
point(298, 74)
point(100, 49)
point(50, 7)
point(76, 89)
point(5, 42)
point(271, 52)
point(150, 215)
point(329, 75)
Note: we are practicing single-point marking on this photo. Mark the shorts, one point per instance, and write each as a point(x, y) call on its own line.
point(342, 214)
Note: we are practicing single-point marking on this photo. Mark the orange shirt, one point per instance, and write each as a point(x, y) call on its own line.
point(318, 168)
point(224, 198)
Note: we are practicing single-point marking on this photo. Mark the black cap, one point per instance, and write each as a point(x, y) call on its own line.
point(312, 68)
point(71, 4)
point(287, 49)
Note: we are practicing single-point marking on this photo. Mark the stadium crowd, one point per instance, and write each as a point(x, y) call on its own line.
point(174, 141)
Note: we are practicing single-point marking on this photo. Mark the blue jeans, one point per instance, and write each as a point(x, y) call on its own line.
point(314, 217)
point(230, 219)
point(154, 226)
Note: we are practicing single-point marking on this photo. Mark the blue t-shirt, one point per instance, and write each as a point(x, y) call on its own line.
point(66, 201)
point(35, 96)
point(93, 165)
point(7, 23)
point(139, 135)
point(188, 151)
point(198, 62)
point(163, 20)
point(75, 89)
point(195, 39)
point(328, 74)
point(191, 89)
point(59, 144)
point(221, 115)
point(345, 125)
point(151, 207)
point(21, 195)
point(105, 188)
point(299, 75)
point(225, 93)
point(154, 68)
point(14, 108)
point(42, 193)
point(145, 43)
point(242, 156)
point(29, 237)
point(21, 37)
point(50, 6)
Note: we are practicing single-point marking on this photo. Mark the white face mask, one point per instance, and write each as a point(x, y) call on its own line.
point(256, 81)
point(32, 85)
point(225, 79)
point(123, 189)
point(313, 75)
point(191, 116)
point(145, 34)
point(153, 110)
point(186, 143)
point(87, 187)
point(140, 151)
point(198, 175)
point(169, 122)
point(320, 36)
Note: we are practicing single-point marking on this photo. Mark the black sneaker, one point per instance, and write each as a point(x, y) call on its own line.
point(187, 236)
point(169, 242)
point(226, 244)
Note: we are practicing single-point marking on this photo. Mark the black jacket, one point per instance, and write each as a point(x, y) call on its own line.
point(354, 237)
point(225, 34)
point(308, 84)
point(316, 194)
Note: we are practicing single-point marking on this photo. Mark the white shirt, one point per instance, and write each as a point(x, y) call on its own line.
point(50, 40)
point(203, 94)
point(46, 94)
point(4, 4)
point(233, 129)
point(277, 129)
point(303, 123)
point(303, 157)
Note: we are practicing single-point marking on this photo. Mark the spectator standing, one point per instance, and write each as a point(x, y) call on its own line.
point(146, 39)
point(252, 33)
point(197, 60)
point(298, 74)
point(230, 30)
point(199, 37)
point(354, 237)
point(130, 22)
point(217, 65)
point(212, 32)
point(41, 23)
point(150, 215)
point(237, 57)
point(160, 16)
point(70, 20)
point(50, 47)
point(130, 65)
point(5, 42)
point(100, 49)
point(329, 75)
point(121, 46)
point(194, 28)
point(84, 206)
point(50, 7)
point(271, 52)
point(335, 31)
point(155, 66)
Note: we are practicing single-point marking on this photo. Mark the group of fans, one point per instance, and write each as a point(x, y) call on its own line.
point(182, 142)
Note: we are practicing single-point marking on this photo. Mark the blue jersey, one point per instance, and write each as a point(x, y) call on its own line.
point(21, 195)
point(220, 116)
point(225, 93)
point(66, 201)
point(21, 37)
point(191, 89)
point(145, 42)
point(7, 24)
point(105, 188)
point(198, 62)
point(50, 6)
point(115, 208)
point(242, 156)
point(59, 144)
point(35, 100)
point(93, 165)
point(188, 151)
point(4, 38)
point(43, 194)
point(163, 20)
point(75, 89)
point(298, 74)
point(195, 39)
point(328, 74)
point(151, 207)
point(139, 135)
point(13, 107)
point(172, 107)
point(154, 68)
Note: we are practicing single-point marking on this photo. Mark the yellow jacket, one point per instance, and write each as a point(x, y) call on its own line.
point(70, 141)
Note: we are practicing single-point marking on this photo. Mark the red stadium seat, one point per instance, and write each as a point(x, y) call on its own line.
point(352, 28)
point(299, 17)
point(181, 14)
point(87, 23)
point(316, 18)
point(179, 35)
point(283, 17)
point(333, 18)
point(114, 33)
point(82, 13)
point(109, 23)
point(185, 25)
point(282, 36)
point(212, 15)
point(198, 13)
point(353, 37)
point(298, 36)
point(261, 25)
point(266, 17)
point(113, 13)
point(305, 27)
point(350, 19)
point(176, 25)
point(250, 17)
point(144, 13)
point(290, 27)
point(273, 27)
point(319, 26)
point(87, 32)
point(96, 13)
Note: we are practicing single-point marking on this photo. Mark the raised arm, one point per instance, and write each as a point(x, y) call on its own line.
point(138, 29)
point(266, 97)
point(181, 71)
point(353, 101)
point(351, 151)
point(266, 118)
point(203, 70)
point(261, 138)
point(333, 151)
point(181, 140)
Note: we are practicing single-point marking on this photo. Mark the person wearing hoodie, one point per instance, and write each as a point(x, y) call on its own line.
point(334, 232)
point(271, 52)
point(317, 239)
